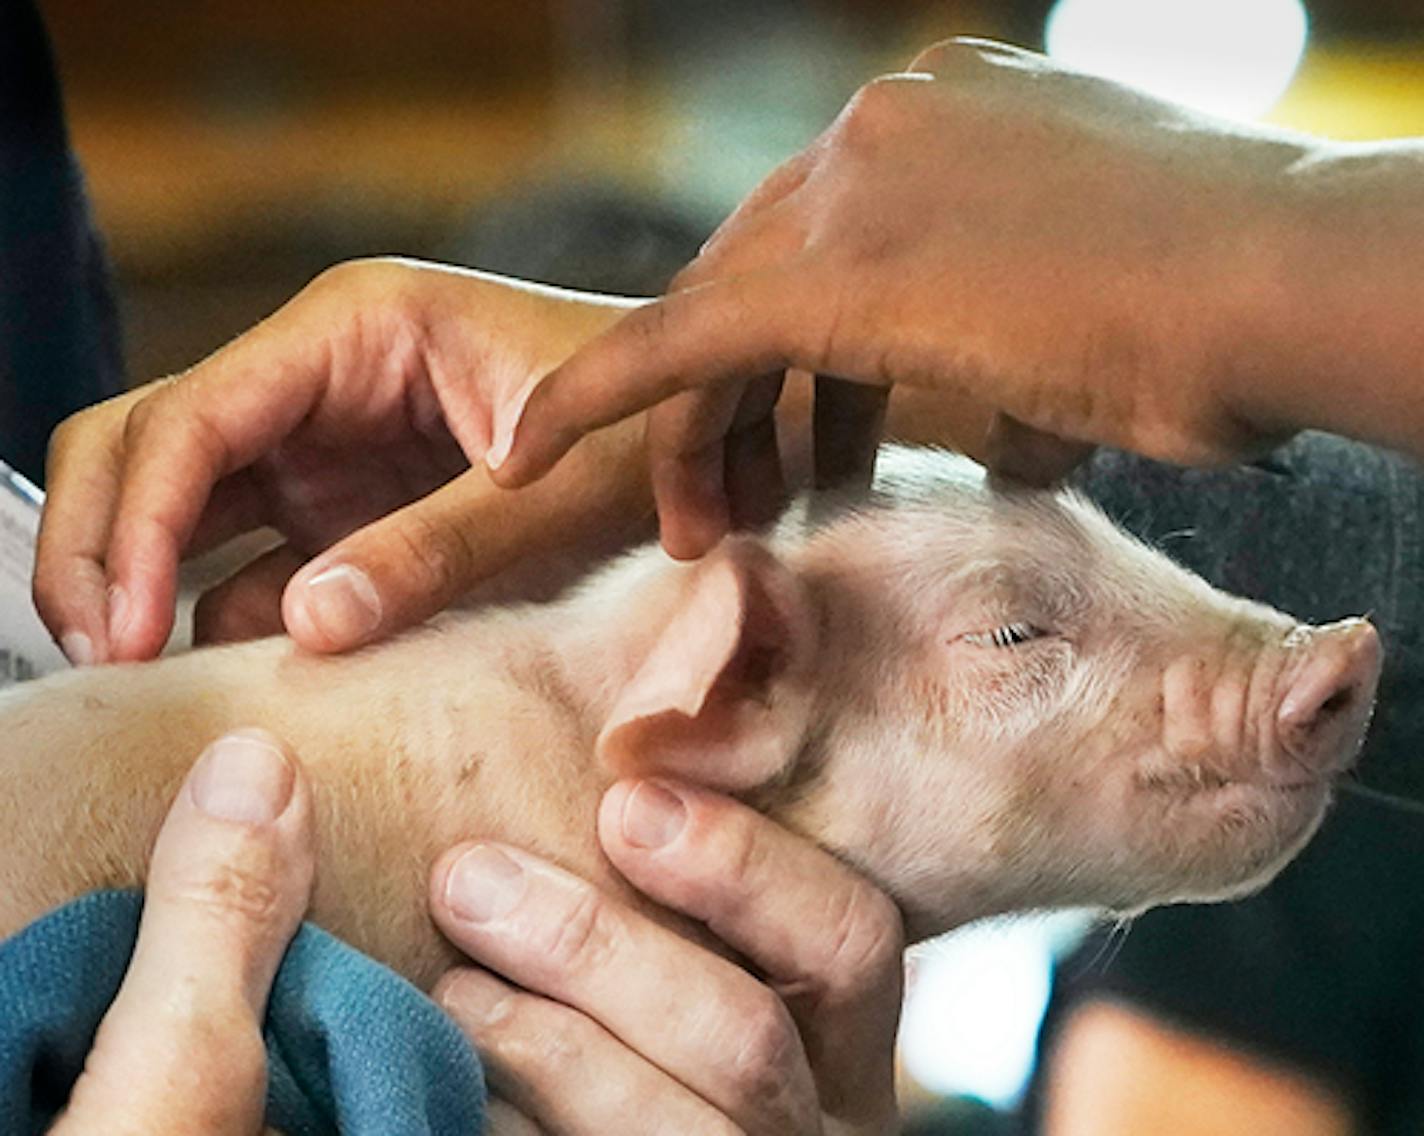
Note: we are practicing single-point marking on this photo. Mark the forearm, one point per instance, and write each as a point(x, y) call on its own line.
point(1337, 342)
point(1117, 1069)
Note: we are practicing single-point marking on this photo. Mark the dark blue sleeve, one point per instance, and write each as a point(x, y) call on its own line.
point(59, 335)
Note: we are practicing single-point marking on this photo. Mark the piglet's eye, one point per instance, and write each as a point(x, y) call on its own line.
point(1009, 635)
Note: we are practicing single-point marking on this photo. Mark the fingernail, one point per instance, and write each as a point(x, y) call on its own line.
point(507, 420)
point(652, 816)
point(78, 648)
point(483, 884)
point(118, 612)
point(343, 603)
point(243, 777)
point(471, 998)
point(500, 447)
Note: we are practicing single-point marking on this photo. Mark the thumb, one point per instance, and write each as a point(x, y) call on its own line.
point(1017, 450)
point(181, 1050)
point(397, 571)
point(403, 568)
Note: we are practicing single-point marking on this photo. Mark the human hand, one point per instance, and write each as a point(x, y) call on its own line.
point(181, 1050)
point(347, 422)
point(606, 1021)
point(1067, 260)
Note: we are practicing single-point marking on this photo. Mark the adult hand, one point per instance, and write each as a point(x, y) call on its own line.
point(366, 395)
point(606, 1021)
point(181, 1050)
point(1079, 259)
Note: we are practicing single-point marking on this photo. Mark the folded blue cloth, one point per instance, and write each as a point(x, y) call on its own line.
point(351, 1046)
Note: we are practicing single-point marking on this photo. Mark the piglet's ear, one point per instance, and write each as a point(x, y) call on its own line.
point(724, 696)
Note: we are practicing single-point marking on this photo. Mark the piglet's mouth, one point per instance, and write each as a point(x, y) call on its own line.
point(1195, 780)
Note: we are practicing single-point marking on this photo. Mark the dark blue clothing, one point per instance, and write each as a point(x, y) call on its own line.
point(59, 332)
point(351, 1046)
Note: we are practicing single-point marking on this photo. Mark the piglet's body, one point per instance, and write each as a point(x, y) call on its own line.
point(987, 701)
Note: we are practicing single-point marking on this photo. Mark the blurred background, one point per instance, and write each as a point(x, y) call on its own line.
point(234, 148)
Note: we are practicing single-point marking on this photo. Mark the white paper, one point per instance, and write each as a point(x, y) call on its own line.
point(26, 649)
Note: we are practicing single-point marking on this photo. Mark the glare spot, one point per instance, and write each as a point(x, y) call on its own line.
point(1227, 57)
point(976, 999)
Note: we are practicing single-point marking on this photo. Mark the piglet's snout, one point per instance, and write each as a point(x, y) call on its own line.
point(1327, 694)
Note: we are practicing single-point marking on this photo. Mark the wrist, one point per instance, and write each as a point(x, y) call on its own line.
point(1332, 340)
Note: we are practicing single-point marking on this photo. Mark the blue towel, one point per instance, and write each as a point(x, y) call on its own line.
point(352, 1047)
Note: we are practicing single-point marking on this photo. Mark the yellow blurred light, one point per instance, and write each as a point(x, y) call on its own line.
point(1227, 57)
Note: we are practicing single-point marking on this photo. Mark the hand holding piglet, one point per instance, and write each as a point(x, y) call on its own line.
point(615, 1024)
point(344, 421)
point(180, 1050)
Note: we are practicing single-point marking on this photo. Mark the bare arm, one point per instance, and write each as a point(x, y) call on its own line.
point(1338, 343)
point(1117, 1071)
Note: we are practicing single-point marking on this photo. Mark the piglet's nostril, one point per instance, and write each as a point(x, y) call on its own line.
point(1328, 698)
point(1313, 709)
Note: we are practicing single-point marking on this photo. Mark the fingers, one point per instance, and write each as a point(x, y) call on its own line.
point(82, 473)
point(503, 1119)
point(707, 1023)
point(1017, 450)
point(823, 936)
point(778, 185)
point(248, 604)
point(178, 444)
point(181, 1049)
point(709, 335)
point(553, 1063)
point(687, 467)
point(404, 568)
point(848, 421)
point(754, 479)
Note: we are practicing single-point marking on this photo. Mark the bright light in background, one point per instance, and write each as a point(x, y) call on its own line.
point(1228, 57)
point(975, 1003)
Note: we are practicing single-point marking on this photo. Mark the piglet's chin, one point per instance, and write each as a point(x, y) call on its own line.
point(1231, 837)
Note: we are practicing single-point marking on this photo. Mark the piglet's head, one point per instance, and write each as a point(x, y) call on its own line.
point(992, 701)
point(1028, 708)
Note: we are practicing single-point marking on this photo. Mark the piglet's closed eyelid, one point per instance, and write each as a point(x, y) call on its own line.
point(1005, 635)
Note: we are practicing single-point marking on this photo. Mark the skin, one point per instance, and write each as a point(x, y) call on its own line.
point(1118, 1070)
point(230, 877)
point(806, 993)
point(1165, 283)
point(1107, 269)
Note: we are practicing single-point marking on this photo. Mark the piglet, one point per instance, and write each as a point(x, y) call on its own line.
point(987, 700)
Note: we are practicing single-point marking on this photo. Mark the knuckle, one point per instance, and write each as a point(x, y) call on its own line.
point(546, 1046)
point(585, 937)
point(65, 433)
point(874, 111)
point(867, 941)
point(439, 558)
point(742, 854)
point(767, 1037)
point(139, 420)
point(766, 1055)
point(230, 894)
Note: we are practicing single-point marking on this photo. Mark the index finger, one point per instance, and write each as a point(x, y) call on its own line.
point(83, 471)
point(827, 940)
point(180, 441)
point(709, 334)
